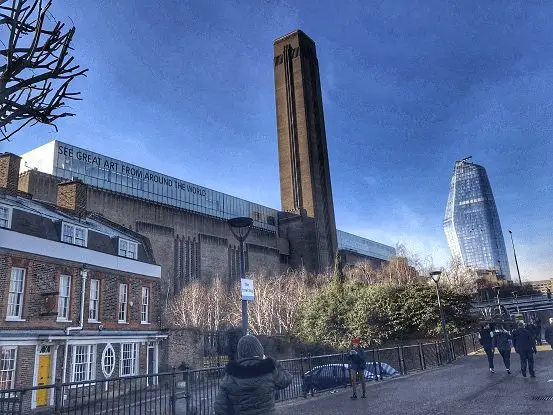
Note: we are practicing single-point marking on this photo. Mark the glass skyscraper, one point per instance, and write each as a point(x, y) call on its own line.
point(471, 221)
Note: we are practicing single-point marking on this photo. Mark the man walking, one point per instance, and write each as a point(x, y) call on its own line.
point(549, 333)
point(357, 366)
point(525, 346)
point(501, 339)
point(485, 339)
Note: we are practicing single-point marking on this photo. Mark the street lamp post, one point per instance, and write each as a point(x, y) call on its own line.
point(240, 228)
point(515, 255)
point(497, 289)
point(435, 275)
point(515, 296)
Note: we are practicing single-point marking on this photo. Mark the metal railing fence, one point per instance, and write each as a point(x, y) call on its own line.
point(194, 391)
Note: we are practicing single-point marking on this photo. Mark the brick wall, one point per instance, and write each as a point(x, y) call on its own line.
point(214, 251)
point(182, 346)
point(300, 230)
point(42, 280)
point(9, 172)
point(351, 258)
point(163, 225)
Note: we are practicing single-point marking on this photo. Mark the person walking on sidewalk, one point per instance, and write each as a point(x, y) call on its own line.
point(525, 346)
point(538, 330)
point(549, 333)
point(357, 366)
point(501, 340)
point(486, 340)
point(251, 381)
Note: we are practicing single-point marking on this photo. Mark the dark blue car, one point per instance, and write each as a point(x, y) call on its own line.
point(337, 375)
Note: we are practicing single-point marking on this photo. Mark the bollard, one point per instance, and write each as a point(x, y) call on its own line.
point(173, 393)
point(421, 357)
point(401, 368)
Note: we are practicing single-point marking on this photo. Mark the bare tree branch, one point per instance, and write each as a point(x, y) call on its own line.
point(38, 70)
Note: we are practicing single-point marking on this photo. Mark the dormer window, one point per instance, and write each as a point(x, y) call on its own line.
point(128, 248)
point(73, 234)
point(5, 216)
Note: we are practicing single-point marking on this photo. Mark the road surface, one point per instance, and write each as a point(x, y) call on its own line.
point(465, 387)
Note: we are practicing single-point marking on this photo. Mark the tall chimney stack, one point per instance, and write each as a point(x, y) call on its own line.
point(72, 195)
point(9, 172)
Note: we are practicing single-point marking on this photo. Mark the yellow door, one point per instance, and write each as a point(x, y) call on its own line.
point(43, 379)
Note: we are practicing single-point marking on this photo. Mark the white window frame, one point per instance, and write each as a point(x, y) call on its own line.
point(108, 373)
point(124, 251)
point(8, 220)
point(123, 303)
point(89, 363)
point(64, 298)
point(73, 234)
point(8, 375)
point(134, 356)
point(16, 295)
point(145, 306)
point(94, 302)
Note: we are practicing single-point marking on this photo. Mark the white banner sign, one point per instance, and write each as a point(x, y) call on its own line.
point(247, 289)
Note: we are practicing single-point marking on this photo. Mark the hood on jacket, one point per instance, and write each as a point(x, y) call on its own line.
point(251, 368)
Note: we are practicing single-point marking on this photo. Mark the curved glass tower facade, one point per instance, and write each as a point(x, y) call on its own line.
point(471, 221)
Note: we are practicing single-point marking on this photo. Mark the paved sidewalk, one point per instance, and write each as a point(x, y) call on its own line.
point(465, 387)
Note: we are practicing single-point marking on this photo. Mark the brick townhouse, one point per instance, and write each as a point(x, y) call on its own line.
point(79, 295)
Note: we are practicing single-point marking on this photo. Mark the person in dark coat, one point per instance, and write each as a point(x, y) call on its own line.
point(501, 340)
point(357, 366)
point(538, 330)
point(549, 333)
point(251, 381)
point(525, 346)
point(531, 327)
point(486, 340)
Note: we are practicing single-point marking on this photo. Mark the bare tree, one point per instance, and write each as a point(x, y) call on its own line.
point(460, 277)
point(35, 79)
point(210, 306)
point(189, 307)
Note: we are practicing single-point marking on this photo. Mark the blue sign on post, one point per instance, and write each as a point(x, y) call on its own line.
point(246, 286)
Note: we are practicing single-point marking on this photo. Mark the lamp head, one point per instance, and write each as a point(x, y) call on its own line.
point(84, 271)
point(240, 227)
point(435, 275)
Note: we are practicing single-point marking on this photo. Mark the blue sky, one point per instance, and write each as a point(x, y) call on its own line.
point(186, 88)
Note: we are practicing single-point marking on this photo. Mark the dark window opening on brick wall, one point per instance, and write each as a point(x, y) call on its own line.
point(284, 259)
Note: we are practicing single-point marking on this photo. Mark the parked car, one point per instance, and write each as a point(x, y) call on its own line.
point(338, 375)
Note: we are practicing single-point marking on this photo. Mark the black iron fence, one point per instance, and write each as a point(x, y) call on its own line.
point(193, 391)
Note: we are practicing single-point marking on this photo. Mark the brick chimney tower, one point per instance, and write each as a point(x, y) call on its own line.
point(72, 195)
point(9, 172)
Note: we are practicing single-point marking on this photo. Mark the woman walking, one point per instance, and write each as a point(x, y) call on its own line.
point(502, 340)
point(251, 381)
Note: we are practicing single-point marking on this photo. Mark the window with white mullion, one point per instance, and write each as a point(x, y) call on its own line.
point(7, 367)
point(83, 367)
point(128, 249)
point(64, 297)
point(80, 236)
point(73, 234)
point(16, 292)
point(68, 233)
point(145, 305)
point(123, 293)
point(5, 216)
point(94, 303)
point(129, 359)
